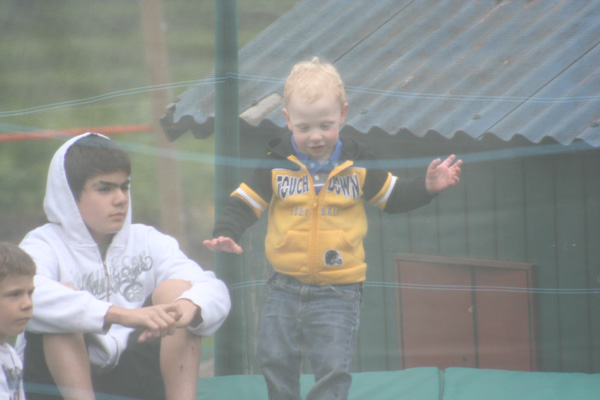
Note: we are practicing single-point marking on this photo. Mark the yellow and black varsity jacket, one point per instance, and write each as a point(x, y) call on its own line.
point(317, 239)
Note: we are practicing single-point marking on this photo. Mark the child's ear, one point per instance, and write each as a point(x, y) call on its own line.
point(287, 119)
point(344, 111)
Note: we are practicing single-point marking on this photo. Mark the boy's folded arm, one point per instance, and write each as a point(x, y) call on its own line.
point(214, 304)
point(157, 321)
point(59, 309)
point(208, 293)
point(191, 313)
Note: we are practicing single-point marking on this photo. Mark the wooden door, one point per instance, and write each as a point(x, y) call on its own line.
point(465, 313)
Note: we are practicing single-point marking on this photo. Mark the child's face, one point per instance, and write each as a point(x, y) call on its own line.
point(103, 204)
point(15, 304)
point(315, 126)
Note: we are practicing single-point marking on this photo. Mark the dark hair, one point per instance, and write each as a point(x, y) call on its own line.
point(91, 156)
point(14, 261)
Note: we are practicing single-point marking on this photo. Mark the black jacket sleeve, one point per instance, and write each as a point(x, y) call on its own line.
point(237, 215)
point(236, 218)
point(407, 196)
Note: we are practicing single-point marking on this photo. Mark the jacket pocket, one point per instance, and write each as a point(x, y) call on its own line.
point(290, 255)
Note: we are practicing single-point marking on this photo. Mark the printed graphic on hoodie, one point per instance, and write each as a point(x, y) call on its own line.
point(13, 377)
point(122, 277)
point(290, 186)
point(333, 258)
point(347, 186)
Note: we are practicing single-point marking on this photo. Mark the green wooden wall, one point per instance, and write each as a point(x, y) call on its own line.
point(514, 203)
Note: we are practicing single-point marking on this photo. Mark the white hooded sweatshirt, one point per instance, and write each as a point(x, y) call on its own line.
point(137, 260)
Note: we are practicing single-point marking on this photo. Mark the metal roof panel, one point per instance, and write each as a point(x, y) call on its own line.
point(478, 67)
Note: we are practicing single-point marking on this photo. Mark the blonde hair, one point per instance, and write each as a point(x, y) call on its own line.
point(312, 79)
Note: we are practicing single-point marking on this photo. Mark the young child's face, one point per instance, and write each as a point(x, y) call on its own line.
point(103, 204)
point(15, 304)
point(315, 126)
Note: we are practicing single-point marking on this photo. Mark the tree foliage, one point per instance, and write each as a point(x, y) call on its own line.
point(80, 64)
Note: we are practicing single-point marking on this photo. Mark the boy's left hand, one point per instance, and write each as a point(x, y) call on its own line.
point(442, 174)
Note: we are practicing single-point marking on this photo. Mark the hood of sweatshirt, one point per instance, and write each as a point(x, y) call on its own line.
point(61, 207)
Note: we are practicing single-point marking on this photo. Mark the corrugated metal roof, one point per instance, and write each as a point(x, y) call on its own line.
point(477, 67)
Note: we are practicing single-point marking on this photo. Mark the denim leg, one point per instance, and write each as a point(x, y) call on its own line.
point(321, 320)
point(330, 326)
point(279, 343)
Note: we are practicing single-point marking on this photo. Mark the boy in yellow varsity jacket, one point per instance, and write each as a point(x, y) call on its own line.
point(314, 184)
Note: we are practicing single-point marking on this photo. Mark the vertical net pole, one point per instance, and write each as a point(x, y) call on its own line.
point(229, 347)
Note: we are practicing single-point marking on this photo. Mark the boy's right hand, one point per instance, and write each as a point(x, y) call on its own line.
point(223, 243)
point(156, 321)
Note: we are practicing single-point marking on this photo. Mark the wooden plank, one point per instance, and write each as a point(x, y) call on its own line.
point(461, 261)
point(372, 329)
point(541, 249)
point(423, 222)
point(509, 200)
point(395, 239)
point(502, 317)
point(396, 233)
point(388, 245)
point(480, 222)
point(452, 221)
point(437, 324)
point(254, 272)
point(423, 227)
point(573, 308)
point(592, 218)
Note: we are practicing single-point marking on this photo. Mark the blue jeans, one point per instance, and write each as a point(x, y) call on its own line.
point(320, 320)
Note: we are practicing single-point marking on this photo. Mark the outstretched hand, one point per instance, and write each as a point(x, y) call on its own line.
point(442, 174)
point(223, 243)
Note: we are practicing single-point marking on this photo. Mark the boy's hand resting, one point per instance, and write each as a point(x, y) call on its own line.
point(223, 243)
point(441, 175)
point(156, 321)
point(191, 315)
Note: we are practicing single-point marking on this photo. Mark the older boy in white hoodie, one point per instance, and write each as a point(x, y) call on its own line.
point(105, 288)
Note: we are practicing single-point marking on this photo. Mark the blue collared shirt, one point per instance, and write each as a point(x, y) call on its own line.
point(319, 171)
